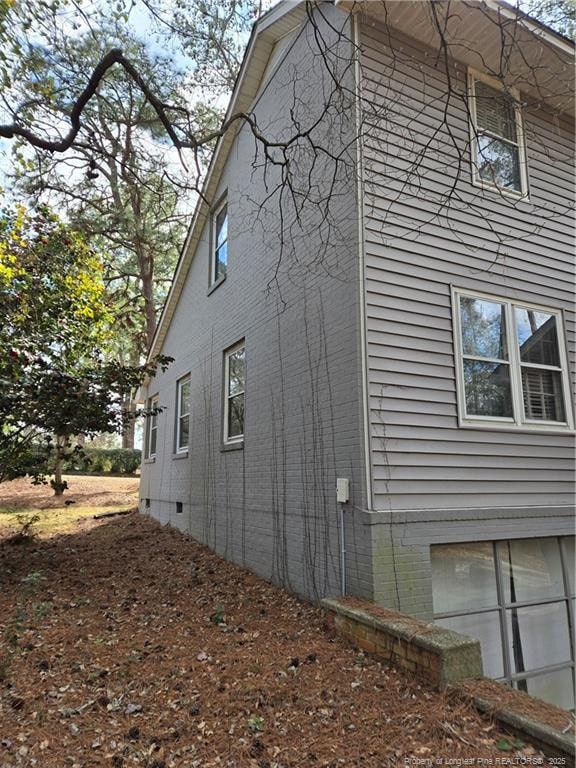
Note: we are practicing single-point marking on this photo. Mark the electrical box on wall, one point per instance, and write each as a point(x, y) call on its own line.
point(342, 490)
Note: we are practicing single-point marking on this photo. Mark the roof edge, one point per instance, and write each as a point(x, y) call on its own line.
point(263, 27)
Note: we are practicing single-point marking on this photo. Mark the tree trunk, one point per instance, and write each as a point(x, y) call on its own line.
point(58, 484)
point(129, 406)
point(146, 278)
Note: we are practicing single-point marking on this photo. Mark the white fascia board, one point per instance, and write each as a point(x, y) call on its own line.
point(540, 30)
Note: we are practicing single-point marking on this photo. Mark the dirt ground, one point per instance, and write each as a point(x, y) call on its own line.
point(83, 491)
point(129, 644)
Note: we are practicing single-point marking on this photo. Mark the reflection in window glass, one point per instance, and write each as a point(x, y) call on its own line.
point(463, 576)
point(568, 547)
point(497, 147)
point(183, 426)
point(537, 337)
point(554, 687)
point(235, 385)
point(538, 636)
point(221, 243)
point(531, 569)
point(483, 328)
point(498, 162)
point(487, 388)
point(465, 579)
point(152, 428)
point(236, 416)
point(484, 627)
point(489, 369)
point(236, 372)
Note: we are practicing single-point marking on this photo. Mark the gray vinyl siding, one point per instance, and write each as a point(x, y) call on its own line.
point(428, 228)
point(271, 506)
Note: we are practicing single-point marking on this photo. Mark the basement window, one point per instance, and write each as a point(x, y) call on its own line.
point(517, 598)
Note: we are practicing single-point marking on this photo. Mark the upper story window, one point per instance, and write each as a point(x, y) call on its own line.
point(182, 414)
point(219, 259)
point(498, 158)
point(511, 364)
point(152, 434)
point(234, 383)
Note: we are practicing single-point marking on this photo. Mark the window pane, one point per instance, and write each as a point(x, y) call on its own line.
point(487, 386)
point(495, 111)
point(483, 328)
point(537, 337)
point(153, 432)
point(538, 636)
point(543, 394)
point(236, 372)
point(498, 163)
point(484, 627)
point(236, 416)
point(463, 576)
point(185, 397)
point(554, 687)
point(568, 547)
point(221, 259)
point(222, 227)
point(183, 432)
point(531, 569)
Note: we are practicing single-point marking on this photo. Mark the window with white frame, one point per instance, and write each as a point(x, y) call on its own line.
point(517, 598)
point(182, 414)
point(234, 384)
point(152, 435)
point(498, 158)
point(511, 363)
point(219, 260)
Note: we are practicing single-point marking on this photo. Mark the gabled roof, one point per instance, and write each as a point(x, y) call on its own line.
point(273, 25)
point(548, 60)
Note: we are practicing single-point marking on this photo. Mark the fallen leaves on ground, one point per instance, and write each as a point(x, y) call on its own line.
point(83, 491)
point(129, 644)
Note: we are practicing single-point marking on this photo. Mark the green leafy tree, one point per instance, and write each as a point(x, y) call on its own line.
point(119, 183)
point(559, 15)
point(56, 378)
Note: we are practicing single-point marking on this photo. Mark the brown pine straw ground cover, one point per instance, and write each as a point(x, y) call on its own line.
point(128, 644)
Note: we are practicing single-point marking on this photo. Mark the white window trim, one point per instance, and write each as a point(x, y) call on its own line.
point(213, 246)
point(477, 181)
point(234, 438)
point(517, 422)
point(179, 415)
point(153, 404)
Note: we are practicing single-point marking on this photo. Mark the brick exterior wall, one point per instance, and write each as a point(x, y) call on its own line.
point(439, 656)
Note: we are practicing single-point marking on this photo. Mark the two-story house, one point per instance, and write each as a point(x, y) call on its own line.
point(380, 293)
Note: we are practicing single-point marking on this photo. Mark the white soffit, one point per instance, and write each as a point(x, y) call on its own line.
point(539, 62)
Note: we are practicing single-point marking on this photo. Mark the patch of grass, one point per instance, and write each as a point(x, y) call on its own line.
point(51, 522)
point(32, 580)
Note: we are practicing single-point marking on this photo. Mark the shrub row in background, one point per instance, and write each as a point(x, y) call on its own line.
point(122, 461)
